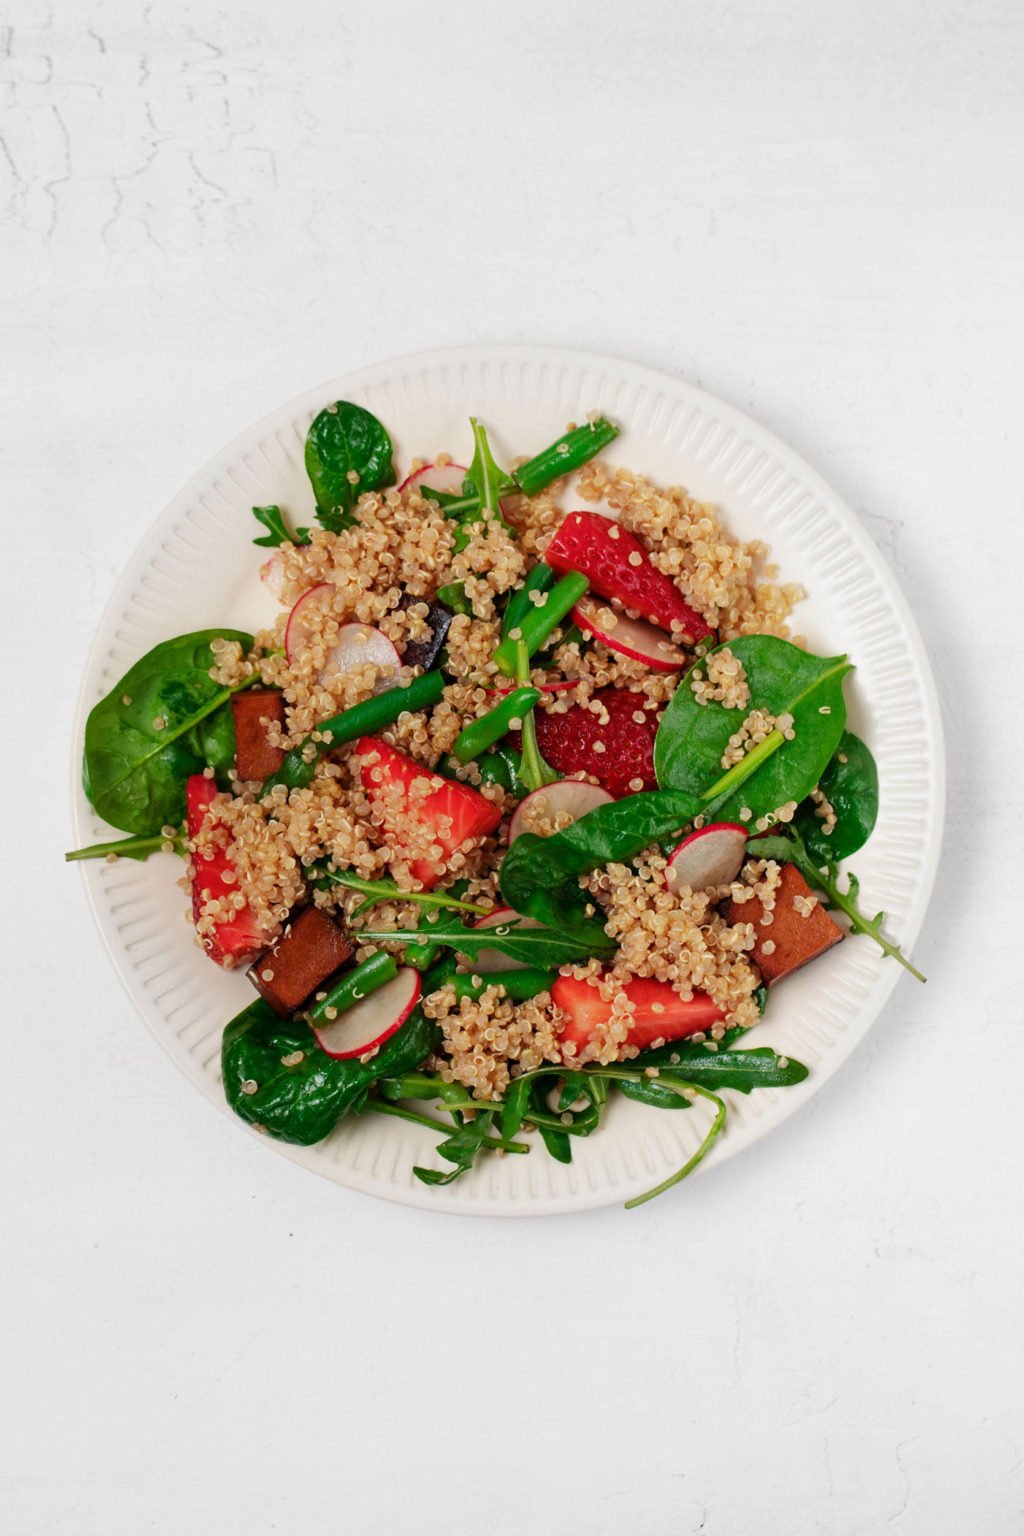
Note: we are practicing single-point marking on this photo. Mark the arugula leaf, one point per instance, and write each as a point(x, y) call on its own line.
point(348, 452)
point(164, 719)
point(790, 846)
point(741, 1070)
point(540, 947)
point(462, 1148)
point(783, 679)
point(850, 784)
point(273, 519)
point(489, 481)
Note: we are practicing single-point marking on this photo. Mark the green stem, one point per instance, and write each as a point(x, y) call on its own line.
point(492, 1143)
point(130, 847)
point(387, 890)
point(571, 451)
point(534, 772)
point(741, 771)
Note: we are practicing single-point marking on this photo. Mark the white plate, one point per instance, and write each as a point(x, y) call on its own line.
point(197, 567)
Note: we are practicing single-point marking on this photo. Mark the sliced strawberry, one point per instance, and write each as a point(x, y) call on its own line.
point(661, 1014)
point(241, 938)
point(453, 811)
point(618, 566)
point(571, 742)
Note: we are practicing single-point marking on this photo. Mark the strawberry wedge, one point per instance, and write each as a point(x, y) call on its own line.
point(661, 1014)
point(615, 744)
point(453, 811)
point(618, 566)
point(241, 938)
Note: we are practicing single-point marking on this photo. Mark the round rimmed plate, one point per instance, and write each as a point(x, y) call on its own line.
point(197, 566)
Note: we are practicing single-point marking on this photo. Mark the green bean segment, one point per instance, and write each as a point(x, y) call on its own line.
point(483, 733)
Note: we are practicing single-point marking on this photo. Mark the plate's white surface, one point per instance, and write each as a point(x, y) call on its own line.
point(197, 567)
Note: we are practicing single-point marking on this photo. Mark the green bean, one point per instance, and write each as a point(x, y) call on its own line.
point(540, 579)
point(483, 733)
point(535, 626)
point(356, 984)
point(569, 453)
point(519, 985)
point(296, 772)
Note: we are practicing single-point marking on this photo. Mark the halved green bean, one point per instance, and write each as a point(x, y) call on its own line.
point(483, 733)
point(535, 626)
point(296, 772)
point(568, 453)
point(540, 579)
point(356, 984)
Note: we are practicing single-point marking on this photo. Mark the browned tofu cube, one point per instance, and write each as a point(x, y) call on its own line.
point(791, 938)
point(311, 948)
point(255, 758)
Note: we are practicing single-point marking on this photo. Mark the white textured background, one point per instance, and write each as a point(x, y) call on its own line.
point(814, 210)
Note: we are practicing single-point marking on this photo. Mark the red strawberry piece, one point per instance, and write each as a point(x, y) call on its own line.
point(661, 1014)
point(241, 938)
point(571, 742)
point(618, 566)
point(453, 811)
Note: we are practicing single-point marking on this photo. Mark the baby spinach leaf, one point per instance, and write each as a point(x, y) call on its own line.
point(346, 441)
point(782, 679)
point(163, 720)
point(277, 1077)
point(850, 784)
point(278, 532)
point(540, 875)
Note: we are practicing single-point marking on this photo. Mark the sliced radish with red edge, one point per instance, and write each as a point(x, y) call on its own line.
point(272, 575)
point(436, 477)
point(568, 797)
point(629, 637)
point(710, 857)
point(356, 644)
point(369, 1023)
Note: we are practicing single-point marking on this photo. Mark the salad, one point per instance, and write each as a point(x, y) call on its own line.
point(528, 799)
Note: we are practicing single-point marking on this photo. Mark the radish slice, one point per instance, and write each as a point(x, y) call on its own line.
point(356, 643)
point(710, 857)
point(629, 637)
point(567, 797)
point(490, 960)
point(298, 633)
point(272, 576)
point(436, 477)
point(372, 1021)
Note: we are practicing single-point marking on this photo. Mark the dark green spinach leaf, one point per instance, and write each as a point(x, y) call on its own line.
point(164, 719)
point(783, 679)
point(348, 451)
point(850, 784)
point(277, 1078)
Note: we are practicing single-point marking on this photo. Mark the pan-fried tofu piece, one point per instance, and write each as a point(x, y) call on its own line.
point(800, 928)
point(311, 948)
point(255, 758)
